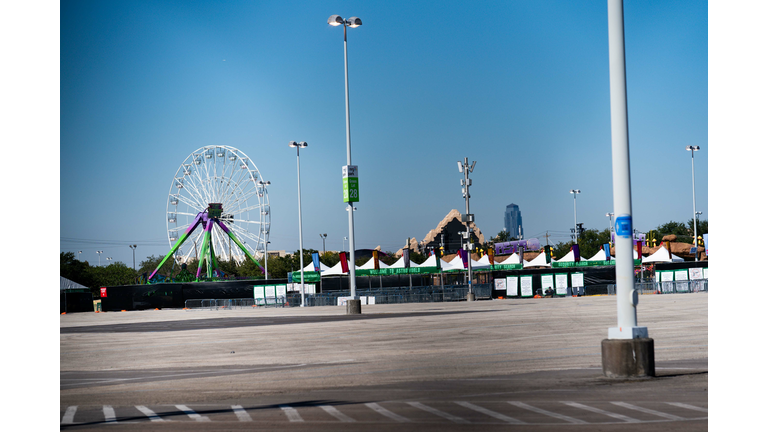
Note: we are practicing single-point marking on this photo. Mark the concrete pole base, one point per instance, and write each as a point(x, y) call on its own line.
point(470, 297)
point(354, 307)
point(628, 358)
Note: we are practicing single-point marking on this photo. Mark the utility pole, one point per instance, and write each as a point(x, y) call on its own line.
point(467, 218)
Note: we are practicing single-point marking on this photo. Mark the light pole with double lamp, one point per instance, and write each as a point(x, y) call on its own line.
point(298, 146)
point(336, 20)
point(694, 149)
point(575, 224)
point(323, 236)
point(133, 248)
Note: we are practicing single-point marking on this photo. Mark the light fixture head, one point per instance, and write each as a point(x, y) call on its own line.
point(335, 20)
point(292, 144)
point(692, 148)
point(354, 22)
point(575, 191)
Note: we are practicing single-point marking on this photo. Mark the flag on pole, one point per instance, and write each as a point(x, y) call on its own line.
point(344, 264)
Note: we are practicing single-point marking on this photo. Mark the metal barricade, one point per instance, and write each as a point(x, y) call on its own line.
point(667, 287)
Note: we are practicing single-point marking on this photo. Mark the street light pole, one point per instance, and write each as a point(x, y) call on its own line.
point(323, 236)
point(575, 224)
point(694, 149)
point(353, 22)
point(626, 295)
point(266, 260)
point(298, 146)
point(133, 249)
point(99, 252)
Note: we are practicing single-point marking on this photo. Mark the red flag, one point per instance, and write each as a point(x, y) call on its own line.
point(344, 264)
point(639, 250)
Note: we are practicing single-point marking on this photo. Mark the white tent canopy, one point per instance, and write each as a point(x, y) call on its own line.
point(311, 267)
point(567, 258)
point(600, 256)
point(512, 259)
point(540, 260)
point(482, 263)
point(661, 255)
point(401, 263)
point(432, 262)
point(369, 265)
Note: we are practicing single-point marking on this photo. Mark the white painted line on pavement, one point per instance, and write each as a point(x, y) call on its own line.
point(437, 412)
point(338, 414)
point(192, 414)
point(599, 411)
point(548, 413)
point(69, 415)
point(109, 414)
point(691, 407)
point(291, 413)
point(149, 413)
point(491, 413)
point(241, 414)
point(648, 411)
point(387, 413)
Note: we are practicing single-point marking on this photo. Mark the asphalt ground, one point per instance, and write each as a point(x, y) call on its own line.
point(526, 364)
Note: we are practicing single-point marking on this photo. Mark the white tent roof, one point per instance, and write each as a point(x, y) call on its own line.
point(540, 260)
point(335, 270)
point(369, 265)
point(567, 258)
point(432, 262)
point(483, 262)
point(311, 267)
point(401, 263)
point(600, 256)
point(456, 264)
point(661, 255)
point(512, 259)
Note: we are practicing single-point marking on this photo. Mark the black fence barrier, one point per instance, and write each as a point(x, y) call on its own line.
point(76, 302)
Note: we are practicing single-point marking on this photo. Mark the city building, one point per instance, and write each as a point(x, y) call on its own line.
point(513, 221)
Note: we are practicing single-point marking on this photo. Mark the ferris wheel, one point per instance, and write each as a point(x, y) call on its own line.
point(227, 176)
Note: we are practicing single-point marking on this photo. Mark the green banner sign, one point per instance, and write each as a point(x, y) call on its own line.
point(588, 263)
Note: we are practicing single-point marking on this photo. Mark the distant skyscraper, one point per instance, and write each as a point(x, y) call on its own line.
point(513, 221)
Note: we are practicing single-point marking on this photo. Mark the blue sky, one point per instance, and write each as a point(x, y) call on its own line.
point(520, 87)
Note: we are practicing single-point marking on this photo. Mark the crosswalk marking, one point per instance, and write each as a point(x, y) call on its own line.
point(69, 415)
point(387, 413)
point(648, 411)
point(241, 414)
point(192, 414)
point(599, 411)
point(149, 413)
point(545, 412)
point(338, 414)
point(442, 414)
point(109, 414)
point(491, 413)
point(690, 407)
point(291, 413)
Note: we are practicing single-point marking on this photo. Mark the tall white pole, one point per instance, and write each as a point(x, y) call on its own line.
point(693, 182)
point(350, 206)
point(575, 224)
point(626, 296)
point(301, 237)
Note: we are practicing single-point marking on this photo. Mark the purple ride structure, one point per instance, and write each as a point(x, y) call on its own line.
point(217, 186)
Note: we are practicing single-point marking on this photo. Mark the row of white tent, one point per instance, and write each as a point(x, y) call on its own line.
point(662, 255)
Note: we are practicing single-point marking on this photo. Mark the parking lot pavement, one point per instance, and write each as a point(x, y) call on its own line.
point(485, 364)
